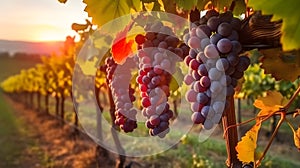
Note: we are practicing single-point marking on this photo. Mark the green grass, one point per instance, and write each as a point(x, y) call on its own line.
point(13, 137)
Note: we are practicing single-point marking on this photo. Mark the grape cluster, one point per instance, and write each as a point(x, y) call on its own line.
point(118, 77)
point(214, 65)
point(156, 66)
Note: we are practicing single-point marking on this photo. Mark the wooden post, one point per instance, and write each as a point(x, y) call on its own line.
point(231, 136)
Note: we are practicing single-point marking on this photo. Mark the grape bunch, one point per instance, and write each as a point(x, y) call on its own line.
point(118, 77)
point(157, 63)
point(215, 65)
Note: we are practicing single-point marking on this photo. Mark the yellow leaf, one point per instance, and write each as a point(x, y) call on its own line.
point(297, 138)
point(247, 146)
point(270, 103)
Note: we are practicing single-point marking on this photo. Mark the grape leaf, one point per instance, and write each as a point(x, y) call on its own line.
point(247, 146)
point(297, 138)
point(288, 11)
point(270, 103)
point(107, 10)
point(280, 65)
point(122, 47)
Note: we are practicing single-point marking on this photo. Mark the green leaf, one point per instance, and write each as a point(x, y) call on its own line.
point(288, 11)
point(186, 5)
point(106, 10)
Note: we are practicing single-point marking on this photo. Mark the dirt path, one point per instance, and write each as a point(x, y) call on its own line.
point(41, 140)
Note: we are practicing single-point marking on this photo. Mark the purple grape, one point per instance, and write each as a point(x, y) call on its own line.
point(194, 64)
point(204, 43)
point(215, 38)
point(202, 98)
point(202, 70)
point(197, 118)
point(191, 95)
point(214, 74)
point(211, 51)
point(204, 81)
point(194, 42)
point(224, 29)
point(205, 111)
point(234, 36)
point(195, 106)
point(233, 59)
point(225, 80)
point(201, 57)
point(195, 75)
point(236, 47)
point(224, 45)
point(222, 64)
point(213, 23)
point(218, 106)
point(215, 87)
point(243, 63)
point(188, 79)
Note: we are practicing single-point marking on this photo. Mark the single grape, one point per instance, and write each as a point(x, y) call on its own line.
point(154, 120)
point(205, 81)
point(211, 51)
point(243, 64)
point(198, 87)
point(194, 64)
point(224, 45)
point(208, 124)
point(236, 47)
point(202, 98)
point(194, 42)
point(218, 106)
point(222, 64)
point(215, 87)
point(202, 70)
point(213, 23)
point(197, 118)
point(224, 29)
point(191, 95)
point(139, 39)
point(233, 59)
point(201, 57)
point(214, 74)
point(188, 79)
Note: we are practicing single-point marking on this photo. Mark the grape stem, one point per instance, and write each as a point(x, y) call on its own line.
point(282, 118)
point(231, 136)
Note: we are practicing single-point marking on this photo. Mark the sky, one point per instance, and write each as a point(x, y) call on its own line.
point(39, 20)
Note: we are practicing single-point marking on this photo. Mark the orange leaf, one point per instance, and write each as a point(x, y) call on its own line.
point(297, 138)
point(270, 103)
point(247, 146)
point(122, 46)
